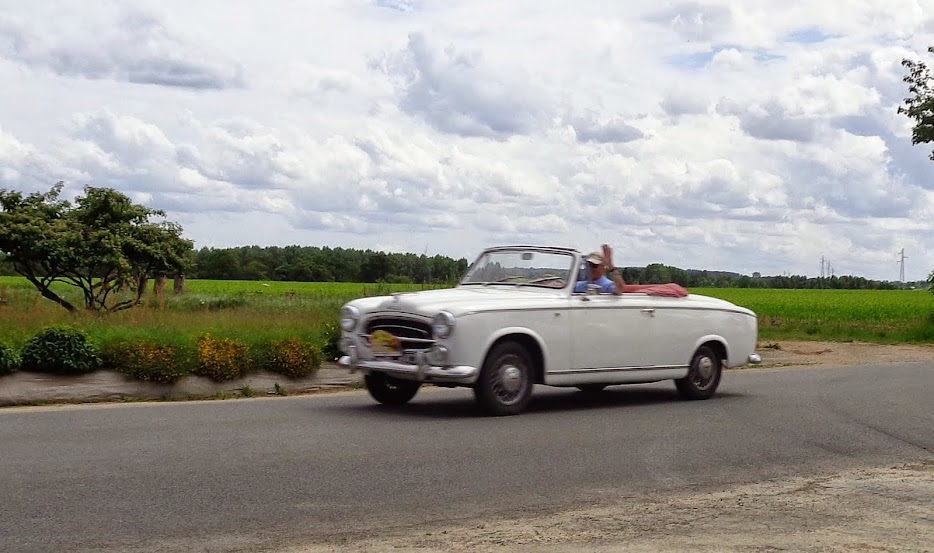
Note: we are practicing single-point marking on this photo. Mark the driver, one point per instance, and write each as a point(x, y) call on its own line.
point(599, 265)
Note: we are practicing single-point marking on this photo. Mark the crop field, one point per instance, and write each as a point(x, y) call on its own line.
point(883, 316)
point(273, 309)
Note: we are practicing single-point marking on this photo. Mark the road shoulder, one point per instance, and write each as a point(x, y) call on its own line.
point(870, 509)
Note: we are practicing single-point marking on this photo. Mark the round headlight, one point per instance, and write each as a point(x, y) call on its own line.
point(349, 317)
point(442, 325)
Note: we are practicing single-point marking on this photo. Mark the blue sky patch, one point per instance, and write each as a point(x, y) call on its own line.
point(406, 6)
point(699, 60)
point(811, 35)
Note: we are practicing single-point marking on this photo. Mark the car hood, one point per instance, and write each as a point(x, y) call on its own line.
point(462, 300)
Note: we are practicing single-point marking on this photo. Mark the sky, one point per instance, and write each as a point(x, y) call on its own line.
point(747, 136)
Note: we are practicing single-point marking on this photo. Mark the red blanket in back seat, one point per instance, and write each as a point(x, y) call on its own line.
point(671, 289)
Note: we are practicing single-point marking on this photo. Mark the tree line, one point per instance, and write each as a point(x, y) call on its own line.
point(324, 264)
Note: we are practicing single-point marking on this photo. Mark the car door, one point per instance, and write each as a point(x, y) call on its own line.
point(677, 331)
point(610, 331)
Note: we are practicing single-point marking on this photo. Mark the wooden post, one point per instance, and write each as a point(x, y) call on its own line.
point(179, 285)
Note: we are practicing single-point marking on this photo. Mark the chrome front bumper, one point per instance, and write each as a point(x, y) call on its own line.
point(755, 358)
point(421, 371)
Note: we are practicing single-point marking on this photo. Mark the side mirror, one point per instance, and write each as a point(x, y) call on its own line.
point(593, 289)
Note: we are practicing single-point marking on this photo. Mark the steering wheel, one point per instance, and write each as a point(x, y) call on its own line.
point(550, 278)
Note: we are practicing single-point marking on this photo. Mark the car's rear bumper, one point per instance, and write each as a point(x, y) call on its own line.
point(421, 371)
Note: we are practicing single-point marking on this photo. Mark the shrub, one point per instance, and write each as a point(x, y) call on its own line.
point(331, 338)
point(222, 358)
point(291, 357)
point(9, 360)
point(60, 350)
point(148, 360)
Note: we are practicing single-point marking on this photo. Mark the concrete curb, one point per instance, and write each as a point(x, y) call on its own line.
point(23, 388)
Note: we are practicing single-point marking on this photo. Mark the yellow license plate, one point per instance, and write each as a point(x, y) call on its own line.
point(383, 343)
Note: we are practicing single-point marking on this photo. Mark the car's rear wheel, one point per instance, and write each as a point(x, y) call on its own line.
point(505, 384)
point(704, 375)
point(390, 391)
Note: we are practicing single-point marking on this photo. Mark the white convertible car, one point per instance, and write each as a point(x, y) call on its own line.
point(514, 321)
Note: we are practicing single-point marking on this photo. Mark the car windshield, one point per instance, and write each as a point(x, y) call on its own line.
point(521, 267)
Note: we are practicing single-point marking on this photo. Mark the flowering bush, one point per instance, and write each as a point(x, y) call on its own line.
point(222, 358)
point(291, 357)
point(148, 360)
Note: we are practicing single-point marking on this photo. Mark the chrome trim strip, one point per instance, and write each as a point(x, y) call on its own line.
point(657, 308)
point(616, 369)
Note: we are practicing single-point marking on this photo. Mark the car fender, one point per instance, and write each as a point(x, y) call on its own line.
point(711, 338)
point(513, 330)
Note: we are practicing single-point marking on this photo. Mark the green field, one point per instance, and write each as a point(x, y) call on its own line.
point(271, 309)
point(882, 316)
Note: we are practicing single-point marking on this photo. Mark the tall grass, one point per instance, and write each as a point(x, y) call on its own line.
point(247, 310)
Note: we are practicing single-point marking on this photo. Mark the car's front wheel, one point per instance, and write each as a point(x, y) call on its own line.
point(505, 383)
point(704, 375)
point(390, 391)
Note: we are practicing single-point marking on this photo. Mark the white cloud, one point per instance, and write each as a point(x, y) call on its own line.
point(615, 130)
point(457, 93)
point(747, 136)
point(128, 45)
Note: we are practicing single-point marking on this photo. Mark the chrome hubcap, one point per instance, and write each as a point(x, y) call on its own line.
point(511, 379)
point(704, 372)
point(509, 382)
point(705, 368)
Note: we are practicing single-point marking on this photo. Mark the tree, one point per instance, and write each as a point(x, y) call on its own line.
point(100, 244)
point(920, 105)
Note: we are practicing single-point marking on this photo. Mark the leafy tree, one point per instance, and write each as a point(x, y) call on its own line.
point(375, 267)
point(919, 106)
point(6, 267)
point(101, 243)
point(219, 264)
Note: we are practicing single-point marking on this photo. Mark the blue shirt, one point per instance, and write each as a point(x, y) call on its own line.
point(607, 286)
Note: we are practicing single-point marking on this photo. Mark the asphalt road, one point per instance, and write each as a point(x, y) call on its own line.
point(272, 472)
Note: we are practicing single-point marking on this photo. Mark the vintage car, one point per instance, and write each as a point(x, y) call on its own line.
point(514, 320)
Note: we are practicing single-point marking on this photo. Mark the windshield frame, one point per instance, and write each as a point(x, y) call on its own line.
point(570, 272)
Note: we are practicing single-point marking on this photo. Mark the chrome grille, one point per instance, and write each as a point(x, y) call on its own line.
point(414, 335)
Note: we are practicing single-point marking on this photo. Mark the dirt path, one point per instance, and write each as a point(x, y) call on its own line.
point(783, 353)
